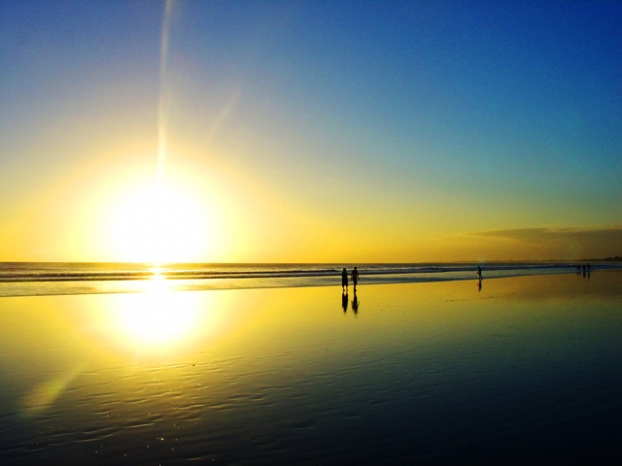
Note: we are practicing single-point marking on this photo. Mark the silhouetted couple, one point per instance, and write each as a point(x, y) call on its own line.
point(344, 285)
point(344, 278)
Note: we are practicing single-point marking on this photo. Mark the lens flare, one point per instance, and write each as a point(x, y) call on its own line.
point(163, 97)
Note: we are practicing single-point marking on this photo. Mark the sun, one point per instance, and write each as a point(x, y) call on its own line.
point(159, 224)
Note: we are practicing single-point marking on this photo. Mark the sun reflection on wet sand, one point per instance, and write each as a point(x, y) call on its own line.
point(126, 328)
point(159, 318)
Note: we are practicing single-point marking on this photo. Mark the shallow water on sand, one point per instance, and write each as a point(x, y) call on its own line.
point(522, 370)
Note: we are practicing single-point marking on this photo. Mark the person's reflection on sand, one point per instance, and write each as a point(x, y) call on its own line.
point(355, 303)
point(344, 301)
point(479, 285)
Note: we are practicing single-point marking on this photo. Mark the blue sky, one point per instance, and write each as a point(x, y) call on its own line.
point(420, 125)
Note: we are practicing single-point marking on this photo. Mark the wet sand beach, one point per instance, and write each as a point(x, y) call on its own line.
point(523, 370)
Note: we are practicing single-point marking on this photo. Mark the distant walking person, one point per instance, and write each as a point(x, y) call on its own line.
point(355, 277)
point(344, 280)
point(479, 272)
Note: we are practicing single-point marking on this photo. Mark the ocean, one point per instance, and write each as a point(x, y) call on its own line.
point(59, 278)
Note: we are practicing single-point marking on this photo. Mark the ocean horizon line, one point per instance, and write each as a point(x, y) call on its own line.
point(233, 263)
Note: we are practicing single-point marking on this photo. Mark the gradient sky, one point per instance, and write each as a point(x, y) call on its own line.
point(300, 131)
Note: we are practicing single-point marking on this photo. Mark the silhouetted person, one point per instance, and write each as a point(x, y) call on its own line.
point(355, 301)
point(344, 302)
point(355, 279)
point(479, 272)
point(344, 280)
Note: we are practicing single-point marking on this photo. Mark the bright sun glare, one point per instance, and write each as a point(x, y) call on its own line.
point(159, 315)
point(159, 224)
point(160, 318)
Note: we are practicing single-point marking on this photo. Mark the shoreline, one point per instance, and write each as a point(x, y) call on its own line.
point(67, 287)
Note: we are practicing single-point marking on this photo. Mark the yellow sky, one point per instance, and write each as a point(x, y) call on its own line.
point(142, 134)
point(212, 211)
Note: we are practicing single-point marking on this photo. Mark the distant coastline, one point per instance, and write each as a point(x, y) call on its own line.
point(608, 259)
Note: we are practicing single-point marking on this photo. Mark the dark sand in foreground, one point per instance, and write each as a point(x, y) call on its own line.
point(524, 370)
